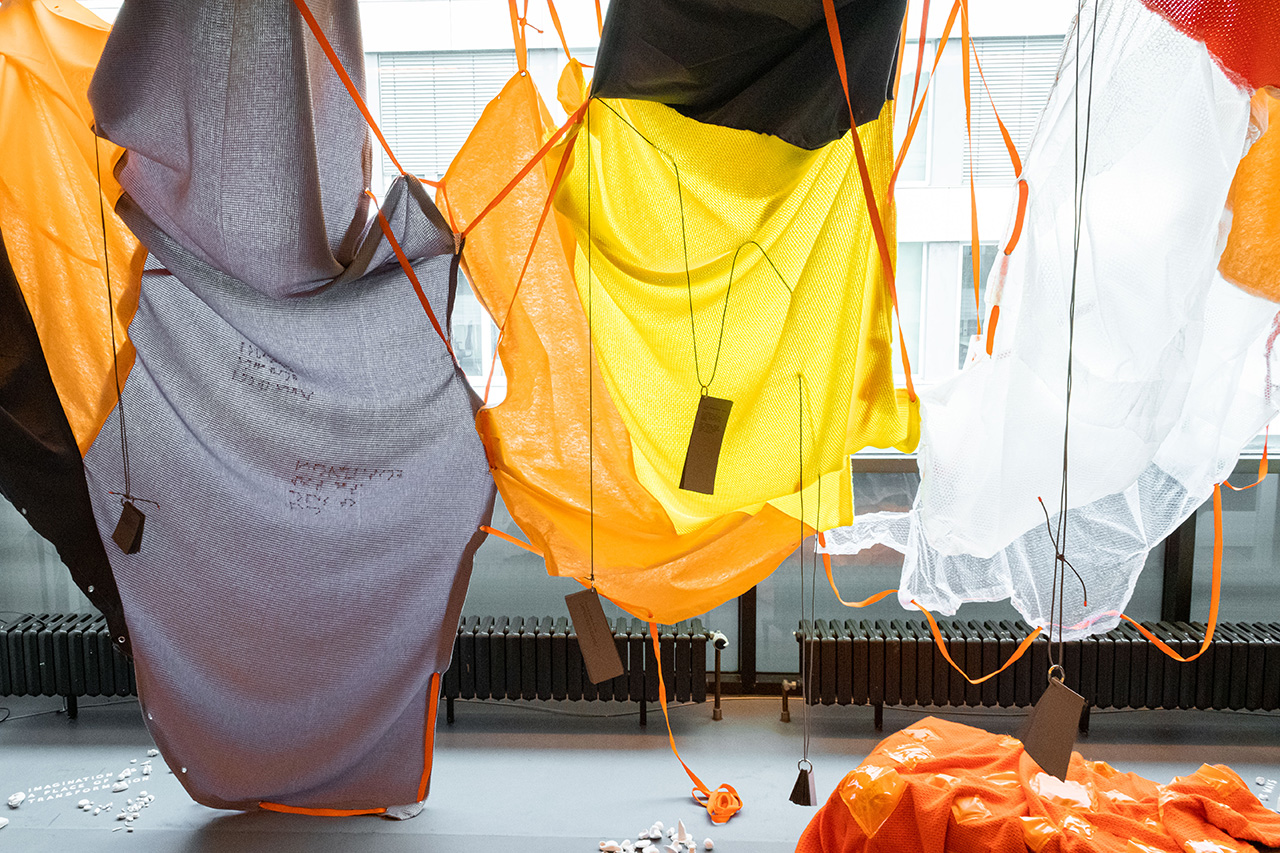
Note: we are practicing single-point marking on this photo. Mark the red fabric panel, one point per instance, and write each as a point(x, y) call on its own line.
point(1241, 34)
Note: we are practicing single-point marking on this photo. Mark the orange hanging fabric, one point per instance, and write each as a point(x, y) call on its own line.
point(722, 803)
point(1262, 467)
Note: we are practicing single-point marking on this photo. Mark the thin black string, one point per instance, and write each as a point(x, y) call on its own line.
point(591, 385)
point(810, 640)
point(1080, 165)
point(684, 246)
point(111, 321)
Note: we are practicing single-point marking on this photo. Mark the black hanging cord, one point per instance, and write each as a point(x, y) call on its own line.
point(111, 322)
point(1057, 606)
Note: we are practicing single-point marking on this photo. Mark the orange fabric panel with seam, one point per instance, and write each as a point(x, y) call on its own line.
point(1251, 259)
point(49, 205)
point(951, 788)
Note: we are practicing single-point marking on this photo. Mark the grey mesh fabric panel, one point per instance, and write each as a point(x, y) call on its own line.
point(306, 434)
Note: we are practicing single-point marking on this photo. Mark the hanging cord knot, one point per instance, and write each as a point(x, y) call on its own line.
point(1058, 554)
point(524, 22)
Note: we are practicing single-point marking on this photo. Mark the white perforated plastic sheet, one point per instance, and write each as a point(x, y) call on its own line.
point(1171, 363)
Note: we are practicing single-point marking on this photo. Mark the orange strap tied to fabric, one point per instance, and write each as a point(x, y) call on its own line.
point(722, 803)
point(1217, 589)
point(937, 635)
point(924, 31)
point(975, 254)
point(513, 540)
point(351, 87)
point(533, 244)
point(555, 19)
point(942, 647)
point(408, 270)
point(873, 209)
point(517, 35)
point(1262, 466)
point(528, 167)
point(917, 110)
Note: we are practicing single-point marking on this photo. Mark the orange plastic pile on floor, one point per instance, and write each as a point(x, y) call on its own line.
point(941, 786)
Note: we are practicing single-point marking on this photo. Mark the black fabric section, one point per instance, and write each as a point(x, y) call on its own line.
point(41, 472)
point(762, 65)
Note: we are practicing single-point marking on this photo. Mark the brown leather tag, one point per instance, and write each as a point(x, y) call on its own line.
point(1049, 734)
point(128, 533)
point(703, 456)
point(595, 639)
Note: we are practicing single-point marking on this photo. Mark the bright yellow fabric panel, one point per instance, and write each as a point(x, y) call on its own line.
point(49, 204)
point(824, 314)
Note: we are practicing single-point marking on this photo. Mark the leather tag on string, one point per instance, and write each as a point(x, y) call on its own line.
point(703, 456)
point(595, 639)
point(805, 792)
point(1049, 733)
point(128, 533)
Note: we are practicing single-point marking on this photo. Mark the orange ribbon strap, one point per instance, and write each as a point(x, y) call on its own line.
point(528, 167)
point(351, 87)
point(917, 110)
point(517, 35)
point(1217, 589)
point(722, 803)
point(546, 208)
point(942, 647)
point(408, 270)
point(555, 19)
point(826, 561)
point(513, 540)
point(873, 209)
point(1262, 466)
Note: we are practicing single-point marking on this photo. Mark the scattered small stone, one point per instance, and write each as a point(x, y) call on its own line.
point(120, 786)
point(1260, 780)
point(84, 803)
point(133, 761)
point(4, 821)
point(611, 847)
point(16, 800)
point(142, 795)
point(672, 848)
point(658, 824)
point(152, 753)
point(129, 828)
point(117, 829)
point(122, 815)
point(708, 844)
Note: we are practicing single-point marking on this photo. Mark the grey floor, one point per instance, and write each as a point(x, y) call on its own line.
point(553, 776)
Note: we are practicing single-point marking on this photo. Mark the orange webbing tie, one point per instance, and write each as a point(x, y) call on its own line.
point(517, 35)
point(1213, 601)
point(826, 561)
point(599, 20)
point(722, 803)
point(902, 52)
point(528, 167)
point(975, 255)
point(873, 210)
point(918, 109)
point(351, 87)
point(991, 328)
point(429, 737)
point(277, 807)
point(1262, 466)
point(924, 31)
point(513, 540)
point(433, 702)
point(408, 270)
point(942, 647)
point(546, 208)
point(555, 19)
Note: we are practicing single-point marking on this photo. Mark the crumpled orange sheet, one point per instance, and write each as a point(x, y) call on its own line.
point(943, 787)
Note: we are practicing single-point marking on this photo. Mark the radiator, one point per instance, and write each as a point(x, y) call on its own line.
point(71, 654)
point(897, 663)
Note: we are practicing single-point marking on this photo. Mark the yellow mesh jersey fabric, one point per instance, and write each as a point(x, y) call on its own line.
point(807, 299)
point(560, 450)
point(49, 204)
